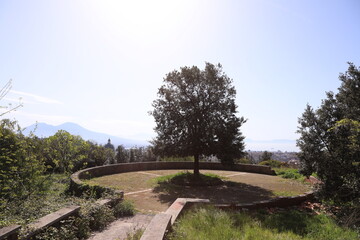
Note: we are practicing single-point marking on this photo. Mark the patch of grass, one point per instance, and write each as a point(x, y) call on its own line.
point(189, 179)
point(127, 182)
point(289, 173)
point(211, 223)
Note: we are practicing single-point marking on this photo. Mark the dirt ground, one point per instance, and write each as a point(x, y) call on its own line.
point(239, 187)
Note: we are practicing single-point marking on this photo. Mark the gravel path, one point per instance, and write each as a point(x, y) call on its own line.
point(119, 229)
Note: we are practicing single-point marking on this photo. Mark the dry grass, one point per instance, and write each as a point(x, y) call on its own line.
point(239, 187)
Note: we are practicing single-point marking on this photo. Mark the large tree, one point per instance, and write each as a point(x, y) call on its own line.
point(330, 139)
point(195, 115)
point(64, 151)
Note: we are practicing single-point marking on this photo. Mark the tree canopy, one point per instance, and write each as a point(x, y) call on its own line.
point(330, 139)
point(195, 114)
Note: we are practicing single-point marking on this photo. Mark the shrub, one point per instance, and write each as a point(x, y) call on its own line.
point(124, 208)
point(189, 179)
point(99, 216)
point(272, 163)
point(289, 173)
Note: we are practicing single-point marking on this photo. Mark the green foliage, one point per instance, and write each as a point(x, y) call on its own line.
point(190, 179)
point(243, 160)
point(124, 208)
point(195, 114)
point(64, 150)
point(23, 211)
point(272, 163)
point(66, 231)
point(289, 173)
point(21, 168)
point(211, 223)
point(96, 155)
point(99, 216)
point(330, 139)
point(120, 154)
point(177, 159)
point(266, 156)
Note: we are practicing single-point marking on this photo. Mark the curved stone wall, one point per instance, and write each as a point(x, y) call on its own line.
point(78, 186)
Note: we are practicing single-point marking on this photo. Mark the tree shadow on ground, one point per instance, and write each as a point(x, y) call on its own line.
point(229, 192)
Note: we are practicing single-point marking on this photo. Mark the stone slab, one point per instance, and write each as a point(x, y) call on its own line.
point(52, 219)
point(10, 232)
point(157, 228)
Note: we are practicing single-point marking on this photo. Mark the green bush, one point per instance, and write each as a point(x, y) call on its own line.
point(99, 216)
point(289, 173)
point(272, 163)
point(177, 159)
point(189, 179)
point(124, 208)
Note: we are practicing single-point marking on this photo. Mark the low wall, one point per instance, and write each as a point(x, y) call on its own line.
point(78, 186)
point(162, 223)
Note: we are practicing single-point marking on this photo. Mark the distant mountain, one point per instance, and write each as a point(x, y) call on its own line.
point(46, 130)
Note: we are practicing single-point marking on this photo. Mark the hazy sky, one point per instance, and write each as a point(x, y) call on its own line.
point(100, 63)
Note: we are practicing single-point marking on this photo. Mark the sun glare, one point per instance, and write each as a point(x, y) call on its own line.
point(140, 18)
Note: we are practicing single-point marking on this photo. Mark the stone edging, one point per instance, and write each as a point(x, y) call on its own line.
point(10, 232)
point(160, 225)
point(77, 186)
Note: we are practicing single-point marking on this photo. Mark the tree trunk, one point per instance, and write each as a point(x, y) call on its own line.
point(196, 165)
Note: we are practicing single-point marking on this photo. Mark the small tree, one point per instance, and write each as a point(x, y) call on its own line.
point(96, 155)
point(120, 154)
point(65, 150)
point(330, 139)
point(195, 114)
point(266, 156)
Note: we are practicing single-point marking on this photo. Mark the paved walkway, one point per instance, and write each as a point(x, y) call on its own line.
point(119, 229)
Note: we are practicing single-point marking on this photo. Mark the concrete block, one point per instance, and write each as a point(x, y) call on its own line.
point(10, 232)
point(158, 227)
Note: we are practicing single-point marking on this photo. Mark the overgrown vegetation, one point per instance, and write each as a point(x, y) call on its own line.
point(92, 216)
point(272, 163)
point(211, 223)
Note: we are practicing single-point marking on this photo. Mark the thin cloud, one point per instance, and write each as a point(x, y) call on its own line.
point(37, 98)
point(31, 118)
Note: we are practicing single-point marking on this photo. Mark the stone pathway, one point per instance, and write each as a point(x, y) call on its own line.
point(119, 229)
